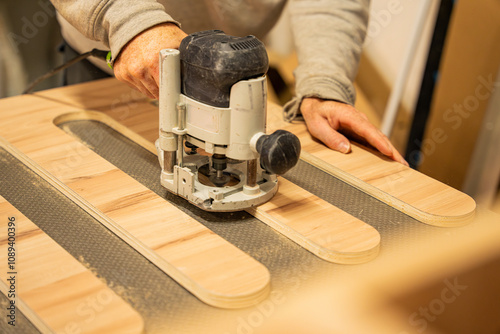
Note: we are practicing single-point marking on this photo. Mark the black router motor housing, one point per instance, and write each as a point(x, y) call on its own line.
point(212, 62)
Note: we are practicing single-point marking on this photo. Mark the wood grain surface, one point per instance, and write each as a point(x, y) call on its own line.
point(403, 188)
point(407, 190)
point(329, 232)
point(214, 270)
point(55, 291)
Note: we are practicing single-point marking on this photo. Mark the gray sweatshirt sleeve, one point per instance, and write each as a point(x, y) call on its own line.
point(328, 37)
point(112, 22)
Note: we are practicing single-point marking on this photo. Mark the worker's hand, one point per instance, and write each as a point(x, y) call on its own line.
point(329, 120)
point(138, 65)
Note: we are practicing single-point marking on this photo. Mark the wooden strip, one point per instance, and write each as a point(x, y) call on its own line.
point(320, 236)
point(109, 93)
point(316, 225)
point(401, 187)
point(212, 269)
point(59, 292)
point(20, 306)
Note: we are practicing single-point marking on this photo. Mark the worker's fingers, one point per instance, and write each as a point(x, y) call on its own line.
point(358, 123)
point(373, 136)
point(134, 82)
point(137, 63)
point(319, 128)
point(155, 74)
point(151, 85)
point(149, 77)
point(324, 118)
point(145, 89)
point(351, 120)
point(397, 156)
point(138, 78)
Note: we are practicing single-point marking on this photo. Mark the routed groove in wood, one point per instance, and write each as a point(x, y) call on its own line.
point(313, 223)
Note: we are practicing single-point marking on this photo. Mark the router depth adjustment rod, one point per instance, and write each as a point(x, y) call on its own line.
point(213, 103)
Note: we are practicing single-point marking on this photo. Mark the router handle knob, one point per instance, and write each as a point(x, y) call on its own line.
point(278, 151)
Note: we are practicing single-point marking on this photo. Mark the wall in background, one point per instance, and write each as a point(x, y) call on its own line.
point(33, 35)
point(470, 63)
point(463, 94)
point(12, 75)
point(30, 38)
point(389, 30)
point(391, 23)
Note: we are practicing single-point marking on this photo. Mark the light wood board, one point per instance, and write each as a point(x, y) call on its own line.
point(403, 188)
point(215, 271)
point(400, 296)
point(209, 267)
point(55, 291)
point(318, 226)
point(329, 232)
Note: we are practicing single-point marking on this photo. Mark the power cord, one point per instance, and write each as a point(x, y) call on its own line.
point(93, 53)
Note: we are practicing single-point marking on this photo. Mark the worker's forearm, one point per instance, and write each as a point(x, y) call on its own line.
point(328, 35)
point(113, 22)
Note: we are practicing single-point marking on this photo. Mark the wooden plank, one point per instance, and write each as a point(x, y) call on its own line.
point(215, 271)
point(396, 295)
point(54, 290)
point(318, 226)
point(320, 236)
point(401, 187)
point(328, 232)
point(98, 94)
point(405, 189)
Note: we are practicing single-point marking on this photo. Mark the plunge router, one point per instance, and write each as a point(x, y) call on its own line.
point(212, 145)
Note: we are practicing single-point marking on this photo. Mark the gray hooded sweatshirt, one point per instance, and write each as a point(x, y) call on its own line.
point(328, 34)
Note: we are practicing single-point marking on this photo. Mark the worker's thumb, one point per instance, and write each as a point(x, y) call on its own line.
point(330, 137)
point(339, 143)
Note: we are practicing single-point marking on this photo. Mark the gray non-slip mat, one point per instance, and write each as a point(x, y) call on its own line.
point(160, 300)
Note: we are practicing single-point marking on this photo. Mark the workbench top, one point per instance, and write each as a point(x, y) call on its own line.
point(414, 252)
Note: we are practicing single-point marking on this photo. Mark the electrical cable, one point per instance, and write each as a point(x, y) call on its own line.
point(93, 53)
